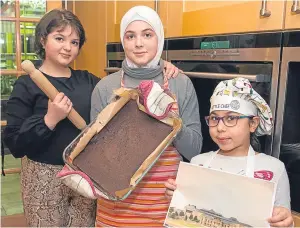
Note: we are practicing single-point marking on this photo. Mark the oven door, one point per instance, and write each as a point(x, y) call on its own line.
point(206, 75)
point(114, 61)
point(287, 134)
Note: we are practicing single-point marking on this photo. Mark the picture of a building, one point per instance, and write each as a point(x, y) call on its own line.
point(191, 215)
point(213, 198)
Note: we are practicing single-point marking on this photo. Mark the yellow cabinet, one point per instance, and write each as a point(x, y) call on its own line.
point(115, 10)
point(111, 33)
point(218, 17)
point(54, 5)
point(92, 56)
point(123, 6)
point(171, 13)
point(292, 14)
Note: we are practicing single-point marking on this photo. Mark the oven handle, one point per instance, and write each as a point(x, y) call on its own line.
point(111, 69)
point(208, 75)
point(223, 76)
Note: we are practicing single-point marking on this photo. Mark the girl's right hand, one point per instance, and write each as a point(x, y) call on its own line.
point(281, 217)
point(170, 188)
point(58, 109)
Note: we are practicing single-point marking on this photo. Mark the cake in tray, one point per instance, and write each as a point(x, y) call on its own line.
point(114, 154)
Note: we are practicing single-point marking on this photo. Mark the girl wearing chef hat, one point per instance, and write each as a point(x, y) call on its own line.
point(238, 114)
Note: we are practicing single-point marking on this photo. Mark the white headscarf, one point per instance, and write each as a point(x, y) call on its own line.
point(237, 95)
point(148, 15)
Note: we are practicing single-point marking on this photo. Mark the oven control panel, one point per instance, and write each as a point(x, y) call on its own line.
point(214, 53)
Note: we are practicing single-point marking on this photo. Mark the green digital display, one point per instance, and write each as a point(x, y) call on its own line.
point(215, 45)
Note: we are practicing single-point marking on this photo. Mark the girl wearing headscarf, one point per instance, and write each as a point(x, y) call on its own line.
point(142, 37)
point(238, 114)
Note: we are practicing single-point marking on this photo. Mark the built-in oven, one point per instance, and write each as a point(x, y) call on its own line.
point(115, 56)
point(287, 129)
point(209, 60)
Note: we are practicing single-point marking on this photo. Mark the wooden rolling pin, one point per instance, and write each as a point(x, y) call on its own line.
point(45, 85)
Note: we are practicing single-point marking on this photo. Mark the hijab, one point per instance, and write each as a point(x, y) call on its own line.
point(148, 15)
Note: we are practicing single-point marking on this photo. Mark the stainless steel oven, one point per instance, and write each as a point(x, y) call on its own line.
point(287, 130)
point(115, 56)
point(208, 60)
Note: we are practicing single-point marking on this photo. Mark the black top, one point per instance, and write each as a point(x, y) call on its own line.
point(26, 132)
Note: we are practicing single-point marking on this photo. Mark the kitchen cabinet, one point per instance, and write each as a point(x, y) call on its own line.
point(220, 17)
point(54, 5)
point(92, 56)
point(123, 6)
point(171, 13)
point(110, 17)
point(115, 10)
point(292, 15)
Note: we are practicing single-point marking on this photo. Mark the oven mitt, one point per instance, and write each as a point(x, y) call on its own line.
point(79, 182)
point(157, 101)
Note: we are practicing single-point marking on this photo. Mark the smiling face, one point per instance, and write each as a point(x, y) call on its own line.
point(236, 138)
point(140, 43)
point(61, 46)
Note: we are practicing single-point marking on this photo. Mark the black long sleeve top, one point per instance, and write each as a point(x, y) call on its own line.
point(26, 132)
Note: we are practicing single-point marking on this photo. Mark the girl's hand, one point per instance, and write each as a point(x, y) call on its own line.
point(58, 110)
point(170, 188)
point(171, 71)
point(281, 217)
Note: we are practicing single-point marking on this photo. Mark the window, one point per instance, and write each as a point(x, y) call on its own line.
point(8, 8)
point(18, 21)
point(8, 45)
point(27, 30)
point(32, 8)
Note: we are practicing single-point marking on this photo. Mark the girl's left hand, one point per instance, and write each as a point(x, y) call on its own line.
point(171, 71)
point(281, 217)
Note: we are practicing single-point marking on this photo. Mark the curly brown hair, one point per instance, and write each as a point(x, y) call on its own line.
point(57, 18)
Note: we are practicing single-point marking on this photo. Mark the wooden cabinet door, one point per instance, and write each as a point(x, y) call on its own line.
point(110, 14)
point(292, 14)
point(92, 56)
point(121, 7)
point(53, 5)
point(219, 17)
point(171, 13)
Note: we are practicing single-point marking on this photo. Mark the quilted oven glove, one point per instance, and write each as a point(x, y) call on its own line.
point(157, 101)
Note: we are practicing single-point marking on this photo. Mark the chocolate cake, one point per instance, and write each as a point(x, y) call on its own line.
point(117, 151)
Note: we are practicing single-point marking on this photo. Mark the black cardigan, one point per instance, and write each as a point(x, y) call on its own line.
point(26, 132)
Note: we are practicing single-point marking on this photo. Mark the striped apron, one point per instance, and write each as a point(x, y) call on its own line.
point(146, 205)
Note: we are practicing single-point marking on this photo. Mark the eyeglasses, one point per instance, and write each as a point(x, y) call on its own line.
point(229, 121)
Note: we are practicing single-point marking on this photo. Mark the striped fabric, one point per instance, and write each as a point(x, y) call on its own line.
point(146, 206)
